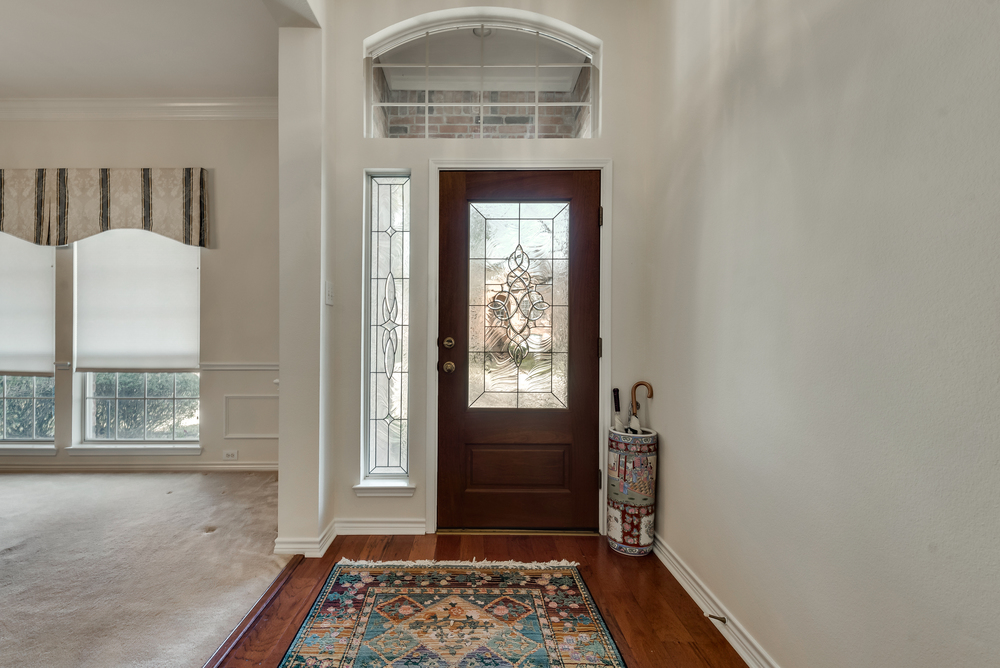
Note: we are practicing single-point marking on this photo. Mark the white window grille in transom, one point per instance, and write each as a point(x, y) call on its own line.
point(482, 81)
point(387, 326)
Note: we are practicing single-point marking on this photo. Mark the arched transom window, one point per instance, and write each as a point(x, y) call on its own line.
point(482, 81)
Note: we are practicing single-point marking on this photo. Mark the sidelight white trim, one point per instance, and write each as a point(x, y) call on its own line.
point(744, 643)
point(433, 255)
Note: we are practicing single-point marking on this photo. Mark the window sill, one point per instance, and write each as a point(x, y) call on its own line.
point(130, 449)
point(29, 449)
point(385, 487)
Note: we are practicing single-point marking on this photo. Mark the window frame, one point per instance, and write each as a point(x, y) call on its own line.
point(34, 440)
point(380, 483)
point(591, 63)
point(85, 398)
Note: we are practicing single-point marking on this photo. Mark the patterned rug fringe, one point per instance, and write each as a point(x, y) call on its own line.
point(534, 565)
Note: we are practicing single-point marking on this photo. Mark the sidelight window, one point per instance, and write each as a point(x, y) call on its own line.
point(387, 328)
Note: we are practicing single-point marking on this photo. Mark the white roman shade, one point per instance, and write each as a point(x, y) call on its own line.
point(138, 302)
point(27, 307)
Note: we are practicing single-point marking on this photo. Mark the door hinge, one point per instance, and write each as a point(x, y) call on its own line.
point(600, 216)
point(600, 479)
point(600, 347)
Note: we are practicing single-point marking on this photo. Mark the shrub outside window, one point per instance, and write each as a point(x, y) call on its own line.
point(27, 408)
point(142, 406)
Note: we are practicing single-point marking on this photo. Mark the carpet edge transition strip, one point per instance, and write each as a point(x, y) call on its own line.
point(250, 619)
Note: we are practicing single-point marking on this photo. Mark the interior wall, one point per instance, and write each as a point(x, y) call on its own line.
point(239, 270)
point(824, 264)
point(347, 153)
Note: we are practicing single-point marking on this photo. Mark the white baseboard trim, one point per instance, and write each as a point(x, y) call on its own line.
point(380, 527)
point(137, 467)
point(744, 644)
point(307, 547)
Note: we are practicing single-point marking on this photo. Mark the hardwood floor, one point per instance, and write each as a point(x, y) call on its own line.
point(652, 619)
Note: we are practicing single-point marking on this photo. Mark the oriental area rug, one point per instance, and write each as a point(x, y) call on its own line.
point(453, 615)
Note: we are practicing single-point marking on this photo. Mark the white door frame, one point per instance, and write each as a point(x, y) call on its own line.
point(433, 241)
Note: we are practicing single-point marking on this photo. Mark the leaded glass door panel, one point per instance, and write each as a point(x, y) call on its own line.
point(518, 348)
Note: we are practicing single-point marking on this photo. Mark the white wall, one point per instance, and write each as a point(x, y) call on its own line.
point(347, 154)
point(824, 265)
point(239, 272)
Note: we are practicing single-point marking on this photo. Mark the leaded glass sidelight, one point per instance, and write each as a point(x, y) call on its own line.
point(518, 304)
point(388, 325)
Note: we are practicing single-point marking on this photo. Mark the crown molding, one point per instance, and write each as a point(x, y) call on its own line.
point(140, 109)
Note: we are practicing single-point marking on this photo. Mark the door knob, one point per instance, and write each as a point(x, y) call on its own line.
point(448, 342)
point(449, 367)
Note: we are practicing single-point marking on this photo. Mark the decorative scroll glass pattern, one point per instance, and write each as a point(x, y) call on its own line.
point(518, 304)
point(388, 325)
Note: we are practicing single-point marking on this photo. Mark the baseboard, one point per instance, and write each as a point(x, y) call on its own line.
point(308, 547)
point(380, 527)
point(732, 630)
point(138, 467)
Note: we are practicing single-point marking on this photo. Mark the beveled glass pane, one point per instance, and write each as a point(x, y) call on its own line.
point(536, 239)
point(101, 419)
point(45, 418)
point(45, 386)
point(560, 376)
point(20, 386)
point(131, 385)
point(501, 373)
point(19, 423)
point(560, 233)
point(538, 400)
point(526, 314)
point(104, 385)
point(188, 384)
point(160, 385)
point(131, 418)
point(186, 419)
point(501, 237)
point(388, 325)
point(477, 376)
point(477, 233)
point(498, 209)
point(160, 419)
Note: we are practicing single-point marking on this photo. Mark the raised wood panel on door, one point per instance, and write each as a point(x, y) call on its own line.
point(519, 468)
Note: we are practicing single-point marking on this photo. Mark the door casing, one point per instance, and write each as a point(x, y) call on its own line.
point(433, 232)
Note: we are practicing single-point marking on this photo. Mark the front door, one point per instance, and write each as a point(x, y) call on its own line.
point(518, 350)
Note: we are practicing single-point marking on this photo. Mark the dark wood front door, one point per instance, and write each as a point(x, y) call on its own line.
point(518, 350)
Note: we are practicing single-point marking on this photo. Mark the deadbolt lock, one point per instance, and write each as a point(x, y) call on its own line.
point(449, 367)
point(448, 342)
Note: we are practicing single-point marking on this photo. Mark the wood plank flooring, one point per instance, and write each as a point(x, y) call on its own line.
point(652, 619)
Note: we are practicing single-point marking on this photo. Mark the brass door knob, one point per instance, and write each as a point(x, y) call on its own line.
point(449, 367)
point(448, 342)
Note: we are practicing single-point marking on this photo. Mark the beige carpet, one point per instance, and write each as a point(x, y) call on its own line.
point(131, 569)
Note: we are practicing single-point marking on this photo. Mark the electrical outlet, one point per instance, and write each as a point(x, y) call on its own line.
point(329, 293)
point(231, 455)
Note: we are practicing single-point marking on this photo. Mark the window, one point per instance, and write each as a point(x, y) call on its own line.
point(28, 411)
point(482, 81)
point(387, 345)
point(142, 406)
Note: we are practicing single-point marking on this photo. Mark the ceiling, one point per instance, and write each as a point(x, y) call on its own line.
point(137, 49)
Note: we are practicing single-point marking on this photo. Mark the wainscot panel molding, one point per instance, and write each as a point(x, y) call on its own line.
point(234, 366)
point(308, 547)
point(244, 416)
point(745, 644)
point(140, 109)
point(139, 467)
point(380, 526)
point(132, 449)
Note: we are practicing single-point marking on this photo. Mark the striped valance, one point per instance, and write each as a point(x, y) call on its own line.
point(53, 207)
